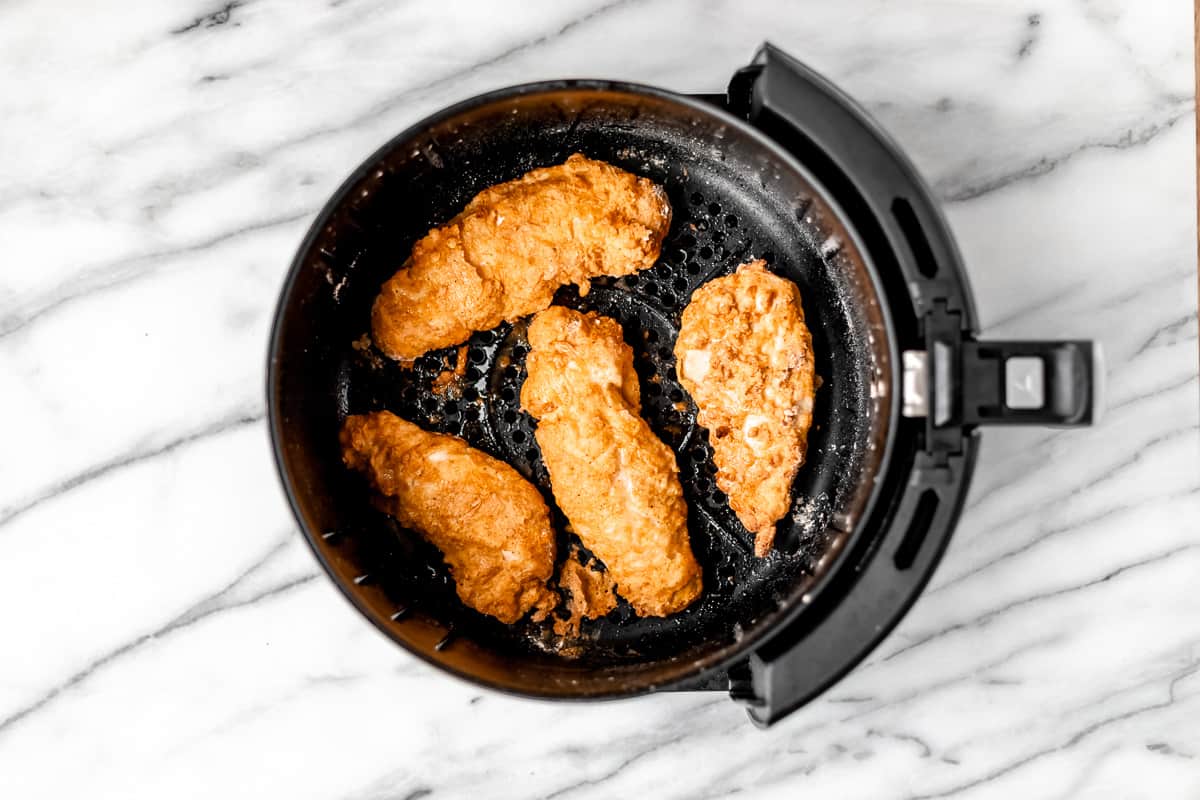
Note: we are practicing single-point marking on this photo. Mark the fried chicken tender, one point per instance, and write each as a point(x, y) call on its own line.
point(745, 356)
point(491, 524)
point(513, 245)
point(615, 480)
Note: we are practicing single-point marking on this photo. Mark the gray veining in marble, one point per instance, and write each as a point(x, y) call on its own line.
point(165, 630)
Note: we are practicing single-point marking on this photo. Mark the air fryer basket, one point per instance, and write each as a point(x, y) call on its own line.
point(735, 197)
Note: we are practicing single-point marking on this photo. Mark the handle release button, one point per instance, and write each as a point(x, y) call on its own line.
point(1025, 382)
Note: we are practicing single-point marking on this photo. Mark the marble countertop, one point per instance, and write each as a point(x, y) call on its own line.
point(165, 630)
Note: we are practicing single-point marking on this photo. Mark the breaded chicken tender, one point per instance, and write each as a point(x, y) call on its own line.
point(745, 356)
point(491, 524)
point(513, 245)
point(615, 480)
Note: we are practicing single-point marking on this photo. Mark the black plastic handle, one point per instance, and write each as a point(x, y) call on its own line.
point(1030, 383)
point(971, 382)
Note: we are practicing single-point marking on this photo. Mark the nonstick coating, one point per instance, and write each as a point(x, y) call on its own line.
point(735, 197)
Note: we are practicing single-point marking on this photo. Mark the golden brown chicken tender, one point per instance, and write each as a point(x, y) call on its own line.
point(513, 245)
point(745, 356)
point(492, 526)
point(615, 480)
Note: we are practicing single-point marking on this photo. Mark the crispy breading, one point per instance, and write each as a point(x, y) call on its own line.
point(745, 356)
point(492, 526)
point(590, 594)
point(615, 480)
point(513, 245)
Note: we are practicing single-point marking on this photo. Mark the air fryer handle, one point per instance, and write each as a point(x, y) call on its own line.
point(958, 382)
point(1030, 383)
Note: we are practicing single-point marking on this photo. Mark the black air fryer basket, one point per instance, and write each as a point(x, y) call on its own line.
point(783, 167)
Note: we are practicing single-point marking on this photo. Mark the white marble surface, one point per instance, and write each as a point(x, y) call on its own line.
point(165, 632)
